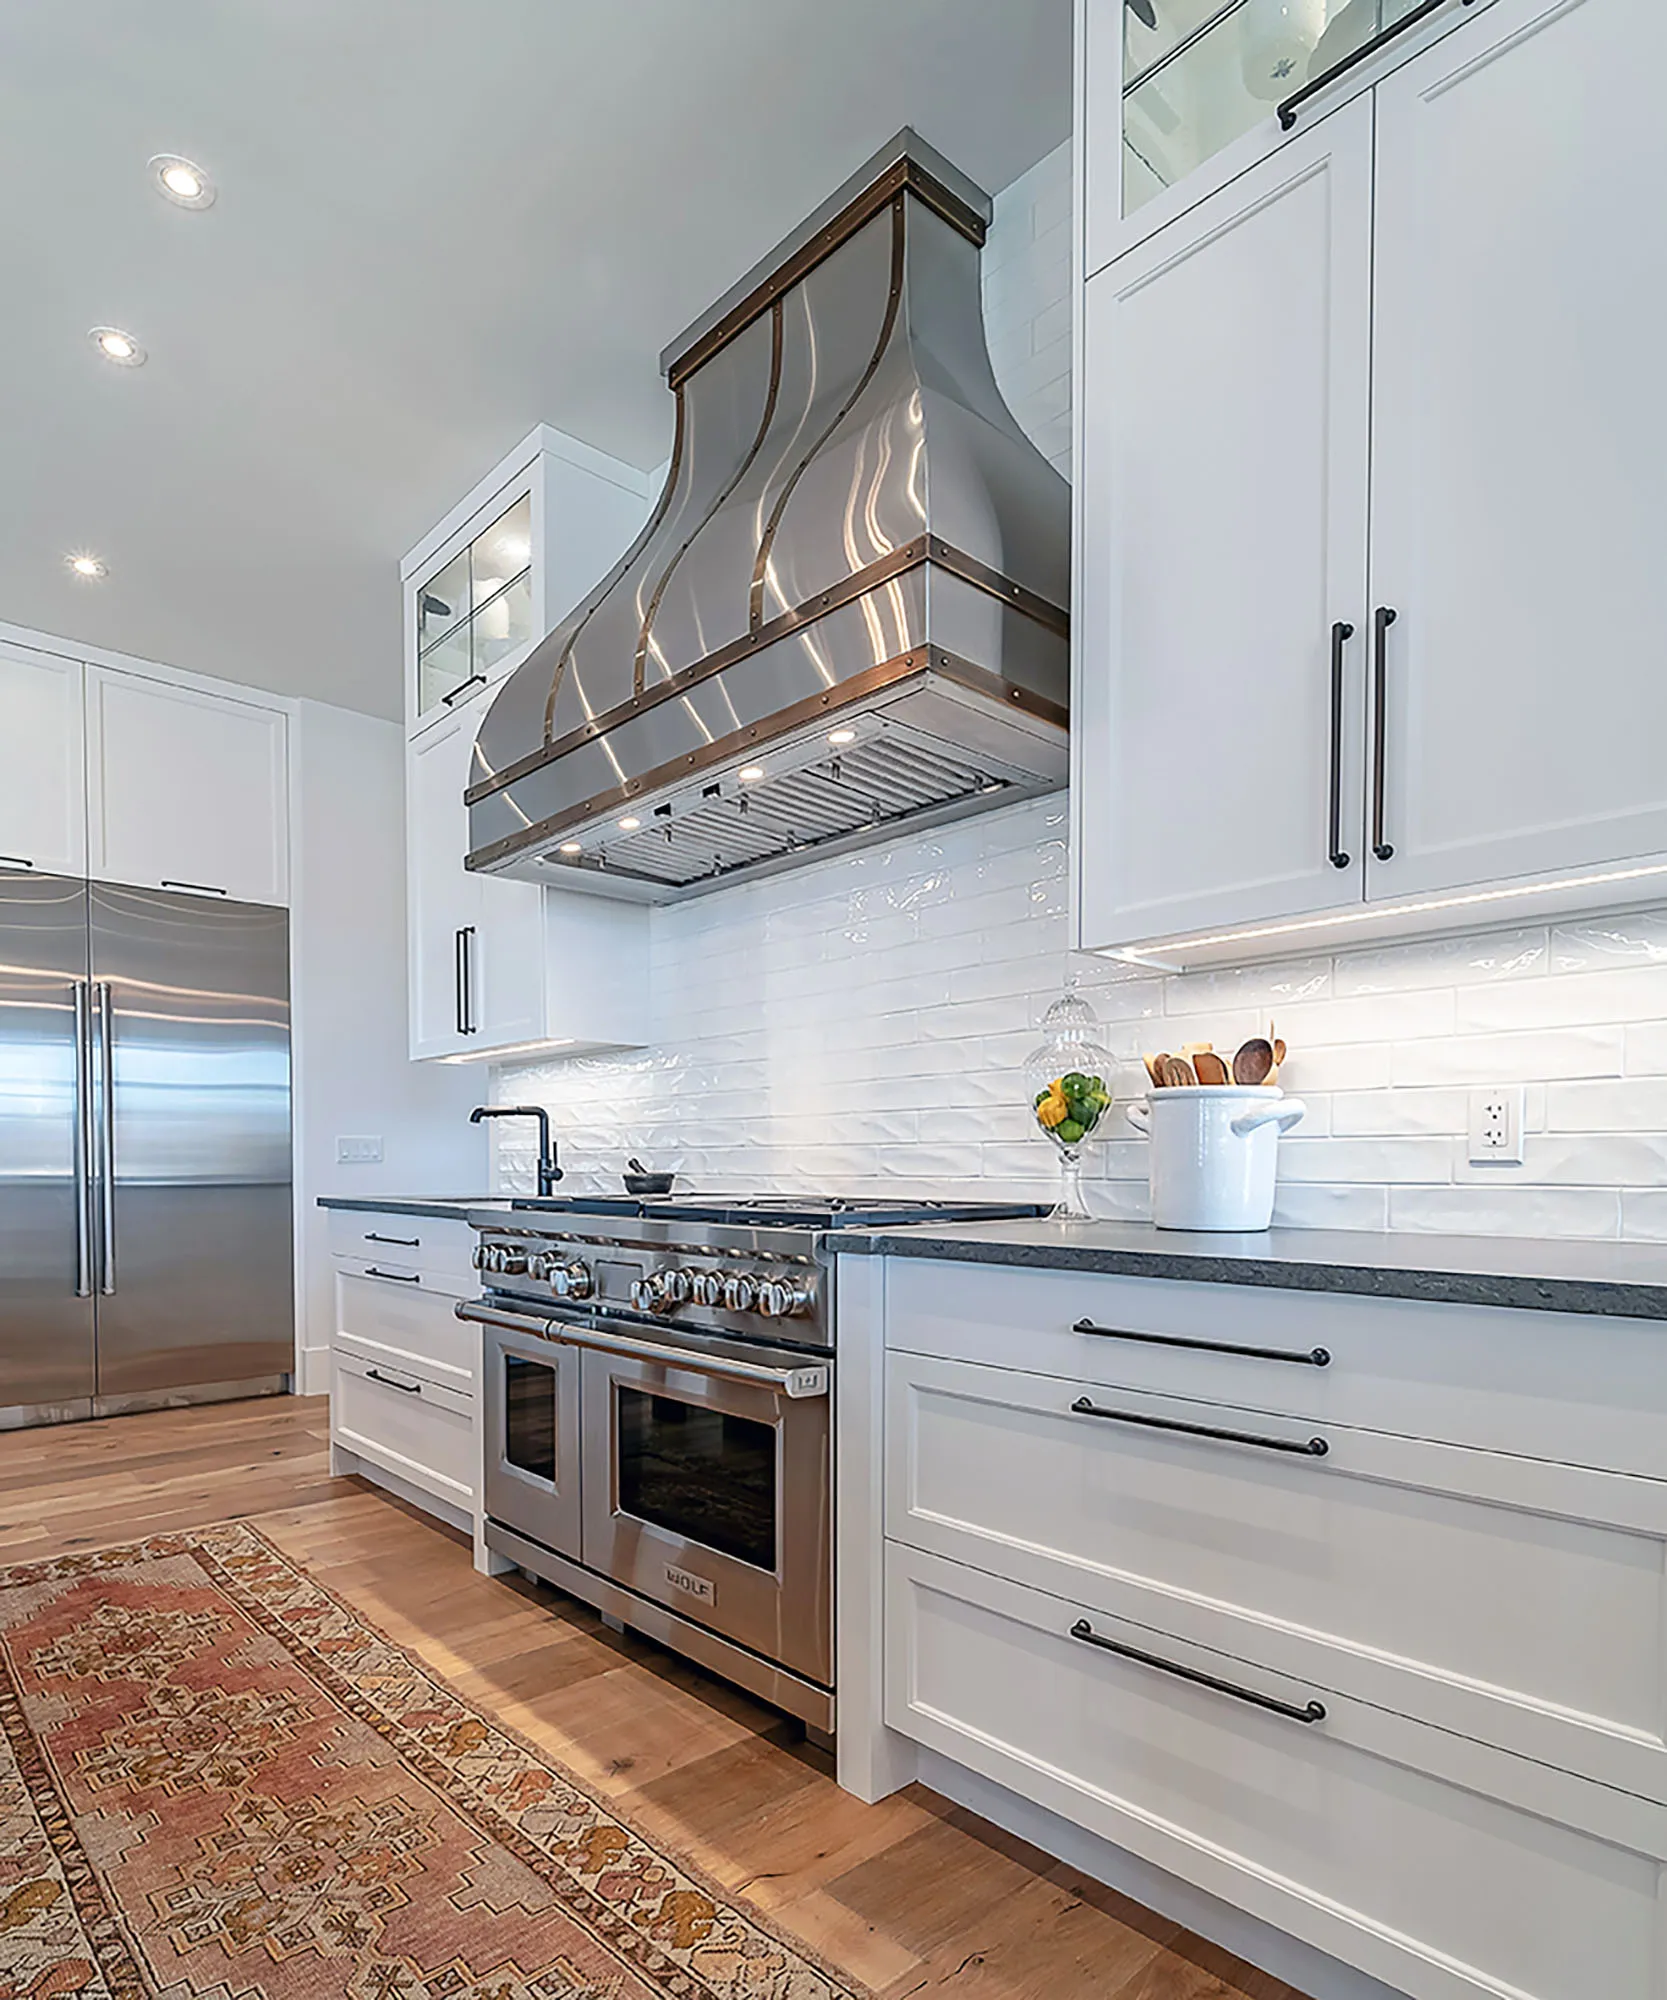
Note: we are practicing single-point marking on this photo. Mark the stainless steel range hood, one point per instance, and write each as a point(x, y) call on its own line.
point(846, 615)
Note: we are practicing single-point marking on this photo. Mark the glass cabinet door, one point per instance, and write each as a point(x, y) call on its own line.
point(478, 610)
point(1199, 73)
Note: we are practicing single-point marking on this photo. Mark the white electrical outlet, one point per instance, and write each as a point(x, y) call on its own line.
point(359, 1152)
point(1496, 1125)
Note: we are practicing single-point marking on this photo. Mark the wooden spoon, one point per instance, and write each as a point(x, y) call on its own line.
point(1278, 1052)
point(1175, 1072)
point(1254, 1062)
point(1210, 1067)
point(1151, 1063)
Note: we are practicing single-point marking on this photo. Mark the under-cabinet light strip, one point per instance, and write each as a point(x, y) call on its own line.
point(1370, 912)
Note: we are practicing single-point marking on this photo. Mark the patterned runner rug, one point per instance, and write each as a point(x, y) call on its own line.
point(218, 1783)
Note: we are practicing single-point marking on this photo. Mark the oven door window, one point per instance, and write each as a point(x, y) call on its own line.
point(530, 1418)
point(698, 1473)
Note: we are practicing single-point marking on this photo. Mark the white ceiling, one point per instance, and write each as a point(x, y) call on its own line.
point(440, 222)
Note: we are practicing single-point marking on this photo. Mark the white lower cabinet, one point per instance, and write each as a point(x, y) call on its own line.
point(404, 1368)
point(1269, 1590)
point(1448, 1870)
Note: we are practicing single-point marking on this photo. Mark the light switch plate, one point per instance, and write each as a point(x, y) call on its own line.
point(364, 1151)
point(1496, 1125)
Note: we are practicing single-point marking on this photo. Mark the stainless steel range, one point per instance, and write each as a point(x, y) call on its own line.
point(659, 1418)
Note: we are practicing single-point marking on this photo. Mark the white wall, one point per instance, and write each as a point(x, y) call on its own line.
point(352, 1076)
point(861, 1026)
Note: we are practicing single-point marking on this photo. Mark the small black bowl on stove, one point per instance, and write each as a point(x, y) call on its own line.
point(640, 1181)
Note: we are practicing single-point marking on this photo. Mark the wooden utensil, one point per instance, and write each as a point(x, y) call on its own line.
point(1254, 1062)
point(1278, 1052)
point(1151, 1063)
point(1210, 1067)
point(1175, 1072)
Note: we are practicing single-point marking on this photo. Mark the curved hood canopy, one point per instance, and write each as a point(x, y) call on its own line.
point(847, 609)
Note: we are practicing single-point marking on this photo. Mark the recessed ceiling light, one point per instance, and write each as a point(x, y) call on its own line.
point(181, 181)
point(840, 737)
point(629, 823)
point(572, 847)
point(749, 774)
point(87, 566)
point(117, 346)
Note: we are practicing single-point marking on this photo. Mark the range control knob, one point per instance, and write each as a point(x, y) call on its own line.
point(572, 1280)
point(503, 1259)
point(708, 1288)
point(741, 1292)
point(660, 1291)
point(540, 1263)
point(782, 1298)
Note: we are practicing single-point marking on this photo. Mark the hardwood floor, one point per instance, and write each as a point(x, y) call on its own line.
point(911, 1897)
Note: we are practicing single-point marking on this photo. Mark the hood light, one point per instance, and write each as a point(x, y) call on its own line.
point(749, 774)
point(572, 847)
point(629, 823)
point(181, 181)
point(117, 346)
point(87, 566)
point(840, 737)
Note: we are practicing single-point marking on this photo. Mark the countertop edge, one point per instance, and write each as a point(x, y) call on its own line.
point(444, 1208)
point(1614, 1300)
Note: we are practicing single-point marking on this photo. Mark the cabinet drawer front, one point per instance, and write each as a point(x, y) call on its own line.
point(1579, 1389)
point(1516, 1602)
point(394, 1271)
point(417, 1428)
point(1447, 1870)
point(439, 1247)
point(415, 1323)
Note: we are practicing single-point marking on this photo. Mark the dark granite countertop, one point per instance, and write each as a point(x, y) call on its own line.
point(1625, 1279)
point(443, 1207)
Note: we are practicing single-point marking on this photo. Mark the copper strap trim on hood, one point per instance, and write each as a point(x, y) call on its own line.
point(741, 471)
point(912, 555)
point(601, 593)
point(906, 177)
point(873, 680)
point(888, 322)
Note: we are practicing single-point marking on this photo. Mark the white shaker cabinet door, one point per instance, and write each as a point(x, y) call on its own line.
point(43, 786)
point(1222, 546)
point(186, 790)
point(1520, 447)
point(443, 898)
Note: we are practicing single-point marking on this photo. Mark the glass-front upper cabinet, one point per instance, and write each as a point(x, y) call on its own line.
point(477, 610)
point(1197, 74)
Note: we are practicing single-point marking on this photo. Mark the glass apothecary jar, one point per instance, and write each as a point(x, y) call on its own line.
point(1070, 1092)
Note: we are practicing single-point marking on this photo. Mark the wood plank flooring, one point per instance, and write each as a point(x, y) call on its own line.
point(911, 1897)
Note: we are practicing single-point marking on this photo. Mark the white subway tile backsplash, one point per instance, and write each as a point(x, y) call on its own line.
point(1636, 939)
point(1567, 1000)
point(1383, 1114)
point(1472, 1059)
point(1507, 1211)
point(1638, 1105)
point(1445, 961)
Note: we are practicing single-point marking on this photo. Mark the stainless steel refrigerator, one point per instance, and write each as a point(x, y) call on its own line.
point(145, 1234)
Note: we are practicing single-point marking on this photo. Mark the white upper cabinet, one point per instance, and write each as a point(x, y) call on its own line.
point(1434, 309)
point(43, 801)
point(508, 563)
point(1223, 552)
point(186, 790)
point(1519, 494)
point(498, 964)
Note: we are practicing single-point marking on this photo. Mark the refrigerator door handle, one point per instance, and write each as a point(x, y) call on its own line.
point(107, 1139)
point(83, 1140)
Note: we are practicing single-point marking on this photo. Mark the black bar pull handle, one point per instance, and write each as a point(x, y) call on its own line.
point(1309, 1357)
point(467, 937)
point(193, 888)
point(1315, 1447)
point(397, 1277)
point(1341, 633)
point(458, 692)
point(1327, 77)
point(388, 1382)
point(404, 1242)
point(457, 968)
point(1310, 1711)
point(1382, 619)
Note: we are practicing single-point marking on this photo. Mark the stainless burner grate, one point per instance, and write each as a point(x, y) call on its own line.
point(878, 783)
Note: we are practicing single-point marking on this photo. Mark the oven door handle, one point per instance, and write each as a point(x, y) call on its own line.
point(798, 1383)
point(811, 1379)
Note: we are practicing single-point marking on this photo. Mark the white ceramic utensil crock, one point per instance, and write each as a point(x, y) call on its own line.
point(1215, 1153)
